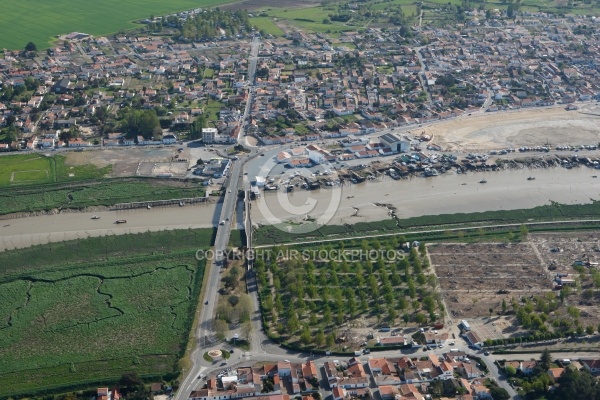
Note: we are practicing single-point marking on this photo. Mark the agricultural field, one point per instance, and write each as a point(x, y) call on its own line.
point(96, 309)
point(476, 277)
point(266, 25)
point(41, 21)
point(35, 168)
point(309, 18)
point(515, 283)
point(35, 183)
point(314, 302)
point(93, 193)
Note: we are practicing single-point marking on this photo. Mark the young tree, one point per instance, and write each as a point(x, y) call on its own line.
point(499, 393)
point(330, 340)
point(292, 323)
point(420, 318)
point(589, 330)
point(305, 336)
point(510, 370)
point(320, 338)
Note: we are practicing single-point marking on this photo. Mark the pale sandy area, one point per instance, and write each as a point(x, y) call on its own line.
point(513, 129)
point(24, 232)
point(445, 194)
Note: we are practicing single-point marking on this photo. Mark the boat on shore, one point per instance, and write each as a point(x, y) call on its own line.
point(531, 178)
point(483, 181)
point(95, 217)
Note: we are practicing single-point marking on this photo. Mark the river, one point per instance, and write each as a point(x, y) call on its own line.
point(28, 231)
point(444, 194)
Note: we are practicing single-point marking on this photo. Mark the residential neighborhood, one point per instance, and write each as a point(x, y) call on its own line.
point(451, 375)
point(307, 86)
point(223, 203)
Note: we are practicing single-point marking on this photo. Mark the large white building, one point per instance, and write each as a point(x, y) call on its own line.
point(212, 135)
point(396, 143)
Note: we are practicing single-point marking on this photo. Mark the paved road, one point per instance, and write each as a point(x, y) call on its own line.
point(204, 333)
point(252, 59)
point(422, 73)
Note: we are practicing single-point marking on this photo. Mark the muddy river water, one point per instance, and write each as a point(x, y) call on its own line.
point(448, 193)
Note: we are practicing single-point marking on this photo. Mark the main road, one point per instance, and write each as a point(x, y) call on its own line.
point(204, 333)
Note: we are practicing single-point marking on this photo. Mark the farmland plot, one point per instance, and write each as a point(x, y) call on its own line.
point(72, 322)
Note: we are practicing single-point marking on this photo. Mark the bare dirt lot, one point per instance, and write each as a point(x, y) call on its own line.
point(171, 169)
point(477, 277)
point(527, 127)
point(124, 161)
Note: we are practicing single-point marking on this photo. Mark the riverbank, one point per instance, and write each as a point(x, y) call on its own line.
point(449, 193)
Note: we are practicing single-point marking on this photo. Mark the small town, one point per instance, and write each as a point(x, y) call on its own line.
point(308, 85)
point(437, 163)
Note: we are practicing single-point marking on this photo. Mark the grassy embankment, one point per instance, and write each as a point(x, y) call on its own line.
point(554, 212)
point(81, 313)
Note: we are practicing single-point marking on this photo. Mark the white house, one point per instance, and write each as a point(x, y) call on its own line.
point(169, 139)
point(593, 366)
point(47, 143)
point(78, 142)
point(211, 135)
point(436, 338)
point(284, 368)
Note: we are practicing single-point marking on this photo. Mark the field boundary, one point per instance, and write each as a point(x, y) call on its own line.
point(12, 175)
point(186, 363)
point(158, 203)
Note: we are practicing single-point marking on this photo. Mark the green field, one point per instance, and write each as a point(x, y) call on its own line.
point(81, 313)
point(39, 175)
point(40, 21)
point(93, 193)
point(35, 183)
point(34, 168)
point(310, 18)
point(266, 25)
